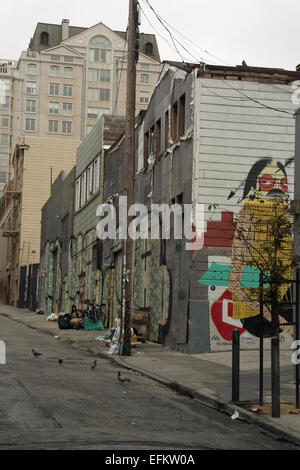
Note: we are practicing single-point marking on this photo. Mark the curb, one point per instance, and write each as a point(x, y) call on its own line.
point(205, 400)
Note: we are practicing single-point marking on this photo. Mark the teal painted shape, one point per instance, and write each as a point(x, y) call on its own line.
point(250, 277)
point(218, 275)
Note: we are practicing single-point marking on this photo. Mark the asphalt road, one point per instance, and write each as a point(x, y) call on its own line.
point(47, 405)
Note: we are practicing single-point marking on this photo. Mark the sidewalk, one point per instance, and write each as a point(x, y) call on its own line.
point(205, 377)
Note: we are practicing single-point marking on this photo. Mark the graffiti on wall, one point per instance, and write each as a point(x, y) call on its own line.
point(233, 282)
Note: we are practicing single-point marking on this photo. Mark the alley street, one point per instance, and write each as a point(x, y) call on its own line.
point(45, 404)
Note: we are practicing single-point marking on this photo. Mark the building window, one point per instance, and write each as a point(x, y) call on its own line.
point(93, 94)
point(104, 94)
point(97, 75)
point(96, 113)
point(167, 129)
point(96, 170)
point(30, 106)
point(54, 89)
point(4, 101)
point(145, 66)
point(181, 115)
point(144, 97)
point(54, 71)
point(67, 109)
point(68, 58)
point(31, 87)
point(99, 50)
point(4, 140)
point(146, 149)
point(157, 137)
point(55, 58)
point(149, 48)
point(68, 72)
point(32, 69)
point(174, 112)
point(4, 84)
point(3, 159)
point(145, 78)
point(90, 182)
point(68, 90)
point(67, 127)
point(52, 126)
point(53, 108)
point(45, 38)
point(82, 189)
point(4, 121)
point(3, 177)
point(29, 124)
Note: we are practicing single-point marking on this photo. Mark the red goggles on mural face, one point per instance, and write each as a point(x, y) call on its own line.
point(267, 182)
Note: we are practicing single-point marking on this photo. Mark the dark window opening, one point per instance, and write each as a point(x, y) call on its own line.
point(146, 150)
point(174, 121)
point(45, 38)
point(149, 48)
point(158, 135)
point(181, 115)
point(152, 140)
point(167, 129)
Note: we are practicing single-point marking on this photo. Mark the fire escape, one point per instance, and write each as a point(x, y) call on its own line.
point(8, 210)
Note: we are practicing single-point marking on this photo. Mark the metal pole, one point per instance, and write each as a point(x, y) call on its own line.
point(275, 369)
point(297, 334)
point(129, 162)
point(261, 342)
point(235, 365)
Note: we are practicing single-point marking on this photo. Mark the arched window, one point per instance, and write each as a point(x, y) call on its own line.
point(100, 50)
point(45, 38)
point(54, 71)
point(149, 48)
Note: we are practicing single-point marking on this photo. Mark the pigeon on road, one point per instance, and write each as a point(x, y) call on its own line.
point(35, 353)
point(93, 366)
point(122, 379)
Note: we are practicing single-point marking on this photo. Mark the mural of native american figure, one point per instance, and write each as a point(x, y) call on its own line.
point(234, 281)
point(265, 199)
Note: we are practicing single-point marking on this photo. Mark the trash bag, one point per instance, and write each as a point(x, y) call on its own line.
point(91, 325)
point(64, 322)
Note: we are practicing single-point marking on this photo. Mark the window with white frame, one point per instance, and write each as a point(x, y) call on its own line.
point(93, 94)
point(68, 90)
point(104, 94)
point(30, 106)
point(145, 66)
point(66, 127)
point(145, 78)
point(99, 75)
point(93, 113)
point(31, 69)
point(52, 126)
point(68, 72)
point(29, 124)
point(55, 57)
point(3, 159)
point(144, 96)
point(4, 121)
point(31, 87)
point(54, 89)
point(53, 107)
point(78, 186)
point(96, 171)
point(4, 84)
point(4, 139)
point(68, 58)
point(99, 50)
point(4, 101)
point(67, 109)
point(82, 189)
point(54, 70)
point(90, 181)
point(3, 177)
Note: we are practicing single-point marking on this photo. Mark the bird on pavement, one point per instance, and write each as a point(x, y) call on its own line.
point(93, 366)
point(60, 361)
point(122, 379)
point(35, 353)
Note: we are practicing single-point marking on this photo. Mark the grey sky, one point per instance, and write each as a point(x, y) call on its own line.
point(263, 32)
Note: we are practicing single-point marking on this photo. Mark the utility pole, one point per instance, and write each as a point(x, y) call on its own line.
point(129, 161)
